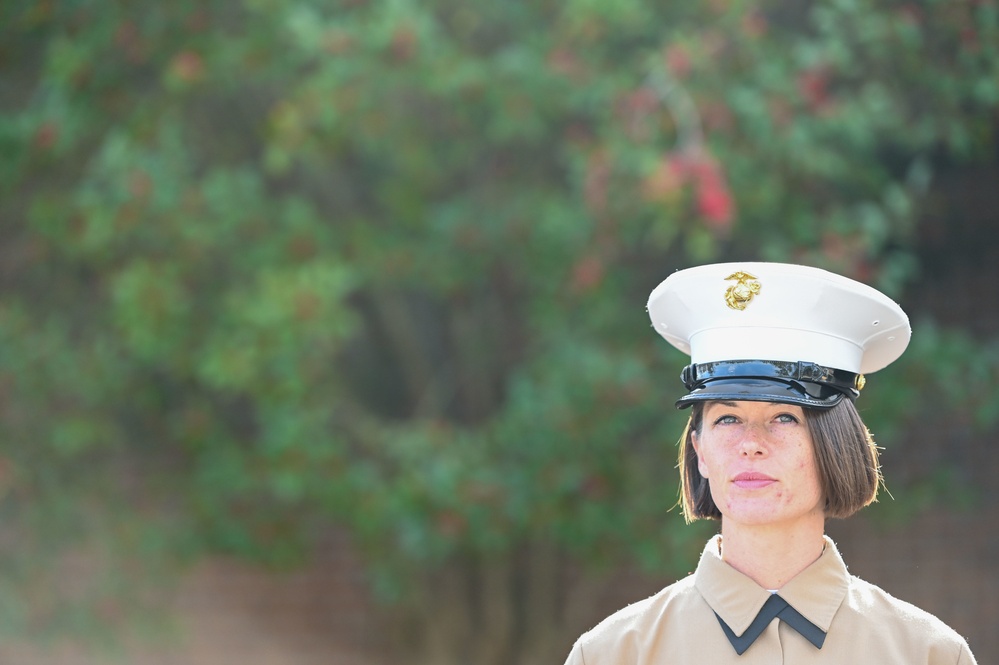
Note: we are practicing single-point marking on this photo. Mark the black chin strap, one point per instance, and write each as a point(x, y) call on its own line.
point(774, 607)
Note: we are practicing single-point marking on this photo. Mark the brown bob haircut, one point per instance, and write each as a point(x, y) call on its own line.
point(845, 456)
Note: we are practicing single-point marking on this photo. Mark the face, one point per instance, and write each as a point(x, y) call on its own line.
point(760, 463)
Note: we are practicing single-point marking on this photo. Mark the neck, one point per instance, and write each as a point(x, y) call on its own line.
point(771, 556)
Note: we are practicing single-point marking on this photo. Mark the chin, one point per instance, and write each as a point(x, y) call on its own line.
point(762, 513)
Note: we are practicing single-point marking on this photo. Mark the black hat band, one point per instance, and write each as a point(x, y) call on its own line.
point(848, 383)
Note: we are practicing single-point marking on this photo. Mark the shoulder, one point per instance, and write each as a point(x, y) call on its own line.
point(628, 627)
point(901, 621)
point(872, 601)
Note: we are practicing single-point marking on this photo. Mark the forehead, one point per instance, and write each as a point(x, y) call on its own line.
point(753, 407)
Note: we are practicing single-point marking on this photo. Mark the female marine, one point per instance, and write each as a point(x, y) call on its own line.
point(773, 447)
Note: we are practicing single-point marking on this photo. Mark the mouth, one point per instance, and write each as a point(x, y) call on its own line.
point(753, 480)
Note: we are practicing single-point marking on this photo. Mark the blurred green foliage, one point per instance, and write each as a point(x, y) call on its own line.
point(269, 264)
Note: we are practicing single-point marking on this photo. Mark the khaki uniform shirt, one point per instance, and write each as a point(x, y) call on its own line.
point(863, 624)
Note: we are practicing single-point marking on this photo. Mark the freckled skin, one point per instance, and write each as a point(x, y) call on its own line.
point(766, 439)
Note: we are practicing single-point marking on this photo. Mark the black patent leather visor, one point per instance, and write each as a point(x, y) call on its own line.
point(801, 383)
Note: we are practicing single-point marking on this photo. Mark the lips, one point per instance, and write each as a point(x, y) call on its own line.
point(753, 480)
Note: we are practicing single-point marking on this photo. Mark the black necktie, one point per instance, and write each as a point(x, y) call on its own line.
point(774, 607)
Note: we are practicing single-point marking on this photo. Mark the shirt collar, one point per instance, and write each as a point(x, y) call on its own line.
point(816, 592)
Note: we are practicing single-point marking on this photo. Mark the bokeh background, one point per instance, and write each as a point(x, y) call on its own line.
point(322, 328)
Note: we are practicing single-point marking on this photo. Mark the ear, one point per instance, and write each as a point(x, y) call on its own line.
point(701, 466)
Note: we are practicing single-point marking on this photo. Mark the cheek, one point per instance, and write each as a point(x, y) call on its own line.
point(801, 456)
point(808, 470)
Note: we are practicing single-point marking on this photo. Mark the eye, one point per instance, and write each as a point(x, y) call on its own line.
point(727, 419)
point(787, 418)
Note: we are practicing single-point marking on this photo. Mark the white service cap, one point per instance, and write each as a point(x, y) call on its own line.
point(776, 332)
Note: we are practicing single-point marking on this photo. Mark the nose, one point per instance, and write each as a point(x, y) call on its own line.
point(752, 444)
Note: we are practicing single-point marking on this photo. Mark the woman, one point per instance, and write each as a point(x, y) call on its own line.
point(774, 445)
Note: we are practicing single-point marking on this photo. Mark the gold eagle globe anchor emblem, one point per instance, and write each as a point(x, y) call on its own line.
point(743, 291)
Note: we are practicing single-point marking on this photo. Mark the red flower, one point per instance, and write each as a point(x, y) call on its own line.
point(187, 66)
point(666, 180)
point(46, 135)
point(587, 273)
point(715, 203)
point(813, 87)
point(678, 61)
point(711, 193)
